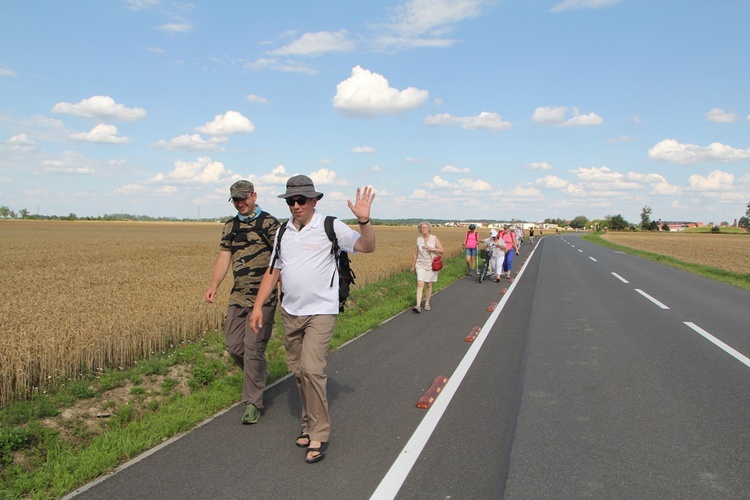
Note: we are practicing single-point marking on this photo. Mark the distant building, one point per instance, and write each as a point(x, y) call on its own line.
point(678, 225)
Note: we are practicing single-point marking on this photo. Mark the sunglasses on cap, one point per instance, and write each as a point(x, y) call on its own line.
point(299, 200)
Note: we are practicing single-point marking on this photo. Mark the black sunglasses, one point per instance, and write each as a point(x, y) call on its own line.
point(301, 201)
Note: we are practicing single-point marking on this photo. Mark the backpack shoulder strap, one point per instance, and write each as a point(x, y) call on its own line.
point(279, 234)
point(235, 229)
point(262, 232)
point(331, 233)
point(335, 250)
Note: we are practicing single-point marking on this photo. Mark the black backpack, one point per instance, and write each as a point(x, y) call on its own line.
point(343, 263)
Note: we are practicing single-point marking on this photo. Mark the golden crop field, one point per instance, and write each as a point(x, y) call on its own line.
point(77, 296)
point(730, 252)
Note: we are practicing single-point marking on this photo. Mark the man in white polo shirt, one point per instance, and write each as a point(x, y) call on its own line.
point(310, 297)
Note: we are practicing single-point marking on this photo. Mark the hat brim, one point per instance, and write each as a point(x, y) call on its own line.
point(307, 194)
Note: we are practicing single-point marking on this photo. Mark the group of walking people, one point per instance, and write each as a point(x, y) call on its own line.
point(306, 267)
point(501, 247)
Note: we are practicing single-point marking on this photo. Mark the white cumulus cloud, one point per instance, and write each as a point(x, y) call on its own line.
point(326, 177)
point(714, 181)
point(202, 171)
point(558, 115)
point(277, 176)
point(468, 184)
point(539, 165)
point(485, 120)
point(192, 142)
point(604, 177)
point(256, 98)
point(673, 151)
point(582, 4)
point(174, 28)
point(450, 169)
point(100, 107)
point(438, 182)
point(659, 185)
point(363, 149)
point(525, 192)
point(230, 122)
point(426, 23)
point(552, 182)
point(316, 44)
point(368, 94)
point(103, 133)
point(275, 64)
point(718, 115)
point(20, 144)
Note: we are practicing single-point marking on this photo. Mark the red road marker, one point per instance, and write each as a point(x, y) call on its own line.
point(503, 291)
point(432, 393)
point(492, 307)
point(473, 334)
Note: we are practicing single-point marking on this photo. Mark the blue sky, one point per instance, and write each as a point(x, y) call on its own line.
point(461, 109)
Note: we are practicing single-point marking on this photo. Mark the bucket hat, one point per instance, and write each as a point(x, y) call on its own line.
point(301, 185)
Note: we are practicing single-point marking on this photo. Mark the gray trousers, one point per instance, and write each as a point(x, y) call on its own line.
point(248, 350)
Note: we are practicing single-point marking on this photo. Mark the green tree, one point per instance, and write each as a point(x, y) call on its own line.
point(646, 218)
point(617, 222)
point(23, 213)
point(4, 212)
point(579, 222)
point(744, 222)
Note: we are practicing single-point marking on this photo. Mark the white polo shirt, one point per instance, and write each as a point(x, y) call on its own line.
point(307, 266)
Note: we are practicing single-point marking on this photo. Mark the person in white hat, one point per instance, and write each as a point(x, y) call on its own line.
point(496, 244)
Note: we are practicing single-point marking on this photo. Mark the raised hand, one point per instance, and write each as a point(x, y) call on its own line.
point(361, 206)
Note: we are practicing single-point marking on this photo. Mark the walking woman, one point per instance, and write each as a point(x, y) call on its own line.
point(428, 247)
point(470, 245)
point(511, 244)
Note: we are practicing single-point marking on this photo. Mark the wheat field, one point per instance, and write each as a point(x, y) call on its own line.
point(81, 296)
point(730, 252)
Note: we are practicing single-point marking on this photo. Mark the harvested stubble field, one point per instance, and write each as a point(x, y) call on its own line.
point(77, 296)
point(729, 252)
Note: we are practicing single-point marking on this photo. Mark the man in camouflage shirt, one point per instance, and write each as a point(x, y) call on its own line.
point(246, 244)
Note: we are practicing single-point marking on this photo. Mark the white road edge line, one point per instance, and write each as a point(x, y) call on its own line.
point(593, 259)
point(620, 278)
point(649, 297)
point(729, 350)
point(391, 483)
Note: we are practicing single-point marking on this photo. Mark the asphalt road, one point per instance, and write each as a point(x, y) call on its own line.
point(599, 375)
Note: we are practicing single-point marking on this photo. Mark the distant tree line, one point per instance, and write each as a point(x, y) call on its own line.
point(609, 222)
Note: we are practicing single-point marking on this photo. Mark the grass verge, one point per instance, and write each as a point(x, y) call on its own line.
point(735, 279)
point(56, 442)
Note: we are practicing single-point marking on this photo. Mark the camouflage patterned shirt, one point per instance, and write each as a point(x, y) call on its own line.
point(251, 253)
